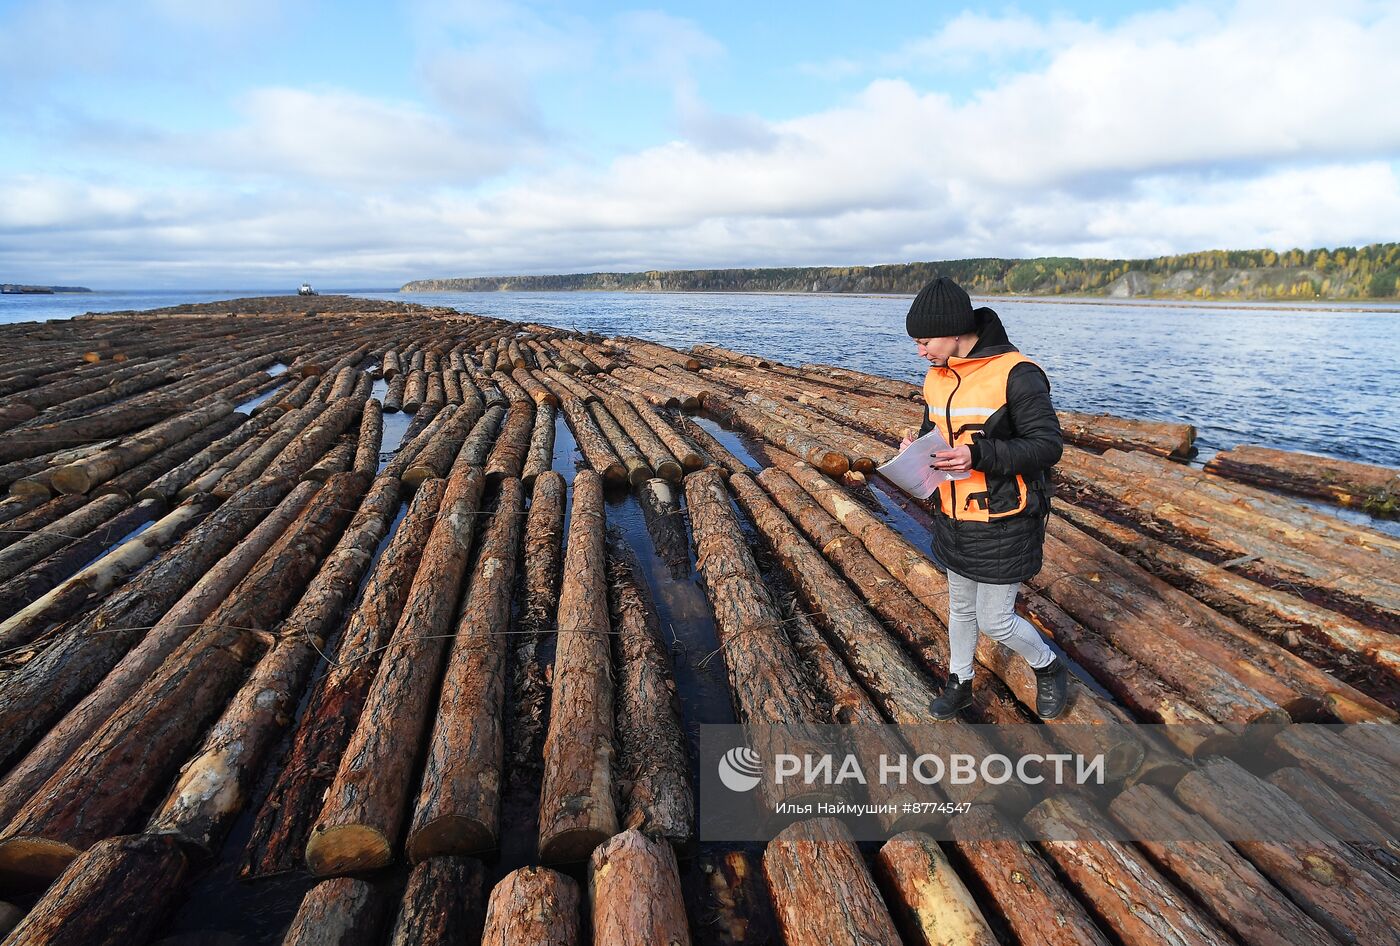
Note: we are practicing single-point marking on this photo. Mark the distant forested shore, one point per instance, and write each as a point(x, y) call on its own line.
point(1344, 272)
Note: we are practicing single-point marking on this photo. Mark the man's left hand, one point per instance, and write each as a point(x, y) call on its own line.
point(956, 460)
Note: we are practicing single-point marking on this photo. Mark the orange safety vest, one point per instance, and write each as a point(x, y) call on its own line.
point(961, 398)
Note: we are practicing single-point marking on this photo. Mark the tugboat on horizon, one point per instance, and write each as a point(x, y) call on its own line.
point(305, 290)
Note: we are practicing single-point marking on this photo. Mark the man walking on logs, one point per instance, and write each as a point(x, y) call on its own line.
point(992, 405)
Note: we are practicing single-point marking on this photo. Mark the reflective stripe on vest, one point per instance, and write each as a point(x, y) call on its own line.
point(966, 394)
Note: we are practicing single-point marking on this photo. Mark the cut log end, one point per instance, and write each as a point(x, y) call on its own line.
point(28, 862)
point(575, 844)
point(344, 849)
point(834, 465)
point(71, 479)
point(670, 470)
point(450, 834)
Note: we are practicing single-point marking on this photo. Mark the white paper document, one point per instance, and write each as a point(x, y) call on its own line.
point(913, 471)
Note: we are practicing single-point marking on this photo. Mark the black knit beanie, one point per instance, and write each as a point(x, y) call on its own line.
point(941, 308)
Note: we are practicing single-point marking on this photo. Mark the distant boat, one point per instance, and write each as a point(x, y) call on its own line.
point(305, 290)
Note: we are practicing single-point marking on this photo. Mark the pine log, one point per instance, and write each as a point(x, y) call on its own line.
point(1194, 854)
point(653, 450)
point(654, 772)
point(319, 436)
point(934, 906)
point(1348, 895)
point(393, 395)
point(416, 391)
point(370, 439)
point(283, 825)
point(97, 579)
point(676, 442)
point(215, 783)
point(37, 545)
point(591, 443)
point(540, 454)
point(718, 454)
point(477, 447)
point(151, 648)
point(82, 476)
point(1105, 431)
point(1339, 816)
point(804, 864)
point(577, 810)
point(105, 783)
point(360, 822)
point(459, 798)
point(1019, 883)
point(343, 911)
point(40, 513)
point(531, 384)
point(38, 693)
point(634, 886)
point(507, 457)
point(338, 459)
point(823, 456)
point(31, 441)
point(638, 471)
point(168, 485)
point(252, 464)
point(1375, 489)
point(543, 554)
point(1121, 886)
point(436, 456)
point(140, 476)
point(443, 904)
point(1365, 780)
point(665, 525)
point(104, 898)
point(532, 906)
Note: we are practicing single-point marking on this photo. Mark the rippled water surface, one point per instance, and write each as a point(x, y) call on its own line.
point(1321, 381)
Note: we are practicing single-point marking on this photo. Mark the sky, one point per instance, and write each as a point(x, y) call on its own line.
point(260, 143)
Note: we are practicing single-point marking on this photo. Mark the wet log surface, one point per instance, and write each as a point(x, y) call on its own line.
point(1209, 598)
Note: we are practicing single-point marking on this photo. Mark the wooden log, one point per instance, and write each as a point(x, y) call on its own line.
point(652, 449)
point(436, 457)
point(1347, 822)
point(104, 898)
point(215, 783)
point(665, 525)
point(1365, 780)
point(1200, 861)
point(718, 455)
point(634, 886)
point(594, 447)
point(823, 456)
point(1017, 880)
point(82, 476)
point(1122, 887)
point(1340, 889)
point(577, 810)
point(343, 911)
point(360, 822)
point(168, 485)
point(105, 783)
point(370, 439)
point(804, 864)
point(476, 449)
point(37, 694)
point(933, 905)
point(319, 436)
point(654, 772)
point(1374, 489)
point(532, 387)
point(31, 441)
point(243, 467)
point(393, 395)
point(140, 476)
point(508, 454)
point(283, 825)
point(415, 391)
point(638, 472)
point(532, 906)
point(338, 459)
point(37, 545)
point(1269, 610)
point(676, 443)
point(1105, 431)
point(101, 576)
point(39, 514)
point(444, 903)
point(459, 798)
point(539, 455)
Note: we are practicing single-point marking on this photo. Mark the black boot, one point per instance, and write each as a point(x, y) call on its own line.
point(1051, 689)
point(956, 695)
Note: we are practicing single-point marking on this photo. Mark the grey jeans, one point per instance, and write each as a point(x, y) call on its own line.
point(976, 604)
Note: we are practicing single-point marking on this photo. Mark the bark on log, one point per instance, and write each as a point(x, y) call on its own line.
point(280, 831)
point(343, 911)
point(140, 476)
point(654, 771)
point(676, 442)
point(105, 897)
point(1130, 896)
point(302, 453)
point(443, 904)
point(540, 454)
point(823, 456)
point(370, 439)
point(1367, 781)
point(544, 528)
point(804, 864)
point(360, 823)
point(338, 459)
point(35, 546)
point(477, 447)
point(1200, 861)
point(1023, 887)
point(634, 886)
point(1347, 894)
point(1339, 816)
point(532, 906)
point(38, 693)
point(718, 454)
point(251, 465)
point(81, 477)
point(638, 472)
point(1105, 431)
point(436, 456)
point(934, 906)
point(168, 485)
point(577, 811)
point(393, 395)
point(507, 457)
point(215, 783)
point(665, 525)
point(38, 515)
point(591, 443)
point(651, 447)
point(459, 798)
point(1375, 489)
point(106, 783)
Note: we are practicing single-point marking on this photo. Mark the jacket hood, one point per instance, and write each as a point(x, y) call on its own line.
point(991, 335)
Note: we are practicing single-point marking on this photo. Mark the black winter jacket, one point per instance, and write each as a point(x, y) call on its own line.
point(1023, 438)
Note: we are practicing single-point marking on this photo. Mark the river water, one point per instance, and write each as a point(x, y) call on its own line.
point(1299, 378)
